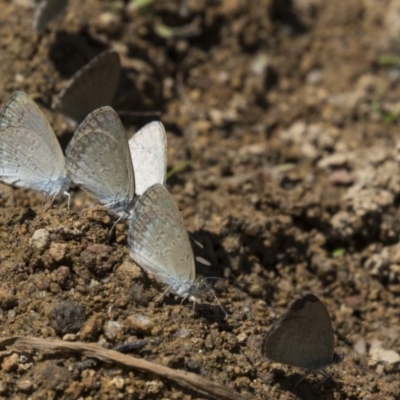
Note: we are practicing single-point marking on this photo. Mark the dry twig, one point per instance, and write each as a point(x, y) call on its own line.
point(182, 378)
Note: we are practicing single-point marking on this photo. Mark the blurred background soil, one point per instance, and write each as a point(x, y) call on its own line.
point(288, 113)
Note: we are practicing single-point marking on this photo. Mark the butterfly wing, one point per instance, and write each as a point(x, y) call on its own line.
point(303, 337)
point(46, 12)
point(21, 110)
point(149, 156)
point(30, 154)
point(99, 161)
point(92, 87)
point(158, 240)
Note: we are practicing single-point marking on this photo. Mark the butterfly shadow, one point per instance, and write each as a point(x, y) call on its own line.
point(211, 258)
point(231, 255)
point(212, 314)
point(69, 52)
point(138, 97)
point(204, 307)
point(300, 385)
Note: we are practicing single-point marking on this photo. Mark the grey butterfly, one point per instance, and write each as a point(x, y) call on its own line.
point(46, 12)
point(99, 161)
point(30, 154)
point(303, 337)
point(93, 86)
point(159, 243)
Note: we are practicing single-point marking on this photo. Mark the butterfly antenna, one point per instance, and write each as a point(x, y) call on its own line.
point(231, 279)
point(301, 379)
point(348, 369)
point(355, 354)
point(355, 331)
point(215, 296)
point(109, 204)
point(219, 303)
point(345, 340)
point(139, 113)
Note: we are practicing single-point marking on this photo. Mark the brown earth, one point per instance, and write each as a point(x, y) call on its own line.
point(288, 112)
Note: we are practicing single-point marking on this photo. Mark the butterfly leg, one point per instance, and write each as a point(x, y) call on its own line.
point(113, 227)
point(163, 295)
point(53, 198)
point(44, 200)
point(219, 303)
point(69, 198)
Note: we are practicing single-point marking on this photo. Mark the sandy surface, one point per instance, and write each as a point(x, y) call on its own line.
point(288, 112)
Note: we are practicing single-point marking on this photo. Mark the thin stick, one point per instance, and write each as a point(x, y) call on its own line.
point(182, 378)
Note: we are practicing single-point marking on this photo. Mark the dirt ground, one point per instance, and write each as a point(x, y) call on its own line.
point(288, 112)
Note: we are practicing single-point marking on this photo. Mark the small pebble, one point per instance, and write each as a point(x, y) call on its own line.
point(118, 382)
point(182, 333)
point(360, 347)
point(140, 323)
point(128, 271)
point(58, 251)
point(7, 297)
point(242, 337)
point(108, 22)
point(3, 387)
point(63, 277)
point(67, 317)
point(377, 352)
point(69, 337)
point(10, 363)
point(112, 329)
point(24, 385)
point(40, 239)
point(92, 327)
